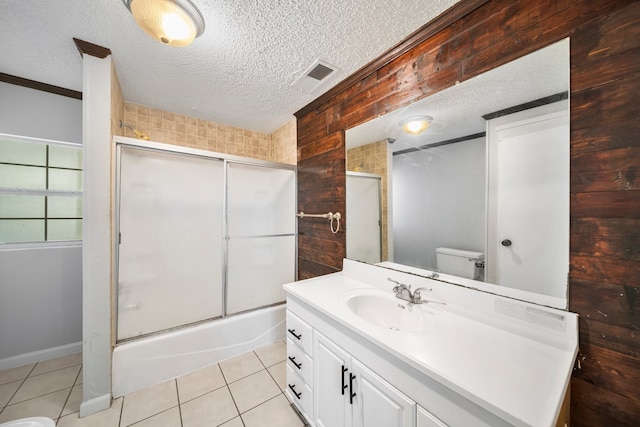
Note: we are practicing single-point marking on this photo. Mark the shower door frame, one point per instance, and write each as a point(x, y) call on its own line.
point(119, 142)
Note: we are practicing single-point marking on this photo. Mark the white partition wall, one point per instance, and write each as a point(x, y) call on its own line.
point(261, 235)
point(199, 237)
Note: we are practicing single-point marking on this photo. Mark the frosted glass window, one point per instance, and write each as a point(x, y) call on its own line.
point(65, 180)
point(23, 153)
point(19, 206)
point(64, 229)
point(31, 177)
point(261, 201)
point(64, 207)
point(257, 269)
point(21, 230)
point(170, 255)
point(29, 166)
point(61, 156)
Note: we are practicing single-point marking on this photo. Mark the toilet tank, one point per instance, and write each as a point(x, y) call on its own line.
point(458, 262)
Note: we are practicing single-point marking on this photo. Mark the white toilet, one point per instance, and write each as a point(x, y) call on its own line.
point(459, 263)
point(30, 422)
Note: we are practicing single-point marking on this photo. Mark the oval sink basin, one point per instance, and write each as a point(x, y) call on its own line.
point(384, 310)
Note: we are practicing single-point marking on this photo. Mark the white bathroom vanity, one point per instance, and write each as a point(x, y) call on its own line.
point(359, 356)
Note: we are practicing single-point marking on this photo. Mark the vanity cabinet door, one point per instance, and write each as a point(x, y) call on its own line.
point(378, 403)
point(426, 419)
point(332, 367)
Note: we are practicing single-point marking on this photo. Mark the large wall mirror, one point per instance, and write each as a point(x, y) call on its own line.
point(481, 196)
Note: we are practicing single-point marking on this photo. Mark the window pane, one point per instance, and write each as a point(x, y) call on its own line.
point(33, 177)
point(22, 230)
point(61, 156)
point(64, 207)
point(18, 206)
point(65, 180)
point(23, 152)
point(64, 229)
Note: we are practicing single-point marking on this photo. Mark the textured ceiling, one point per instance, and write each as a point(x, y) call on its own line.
point(239, 72)
point(458, 110)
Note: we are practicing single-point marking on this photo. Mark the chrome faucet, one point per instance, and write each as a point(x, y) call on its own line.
point(403, 292)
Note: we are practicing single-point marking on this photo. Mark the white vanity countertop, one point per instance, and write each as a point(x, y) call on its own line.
point(510, 357)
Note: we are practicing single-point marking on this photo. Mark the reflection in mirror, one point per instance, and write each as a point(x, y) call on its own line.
point(482, 194)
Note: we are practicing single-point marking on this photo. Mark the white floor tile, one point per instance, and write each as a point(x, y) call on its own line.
point(148, 402)
point(50, 405)
point(272, 354)
point(209, 410)
point(57, 363)
point(236, 422)
point(39, 385)
point(275, 412)
point(19, 373)
point(107, 418)
point(240, 366)
point(170, 418)
point(74, 401)
point(200, 382)
point(7, 391)
point(253, 390)
point(279, 374)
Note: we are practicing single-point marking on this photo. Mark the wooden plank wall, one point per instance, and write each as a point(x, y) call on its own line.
point(604, 278)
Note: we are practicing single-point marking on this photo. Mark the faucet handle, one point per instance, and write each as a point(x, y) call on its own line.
point(417, 298)
point(398, 285)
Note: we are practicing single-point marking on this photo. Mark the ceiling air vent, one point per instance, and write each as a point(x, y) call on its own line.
point(316, 75)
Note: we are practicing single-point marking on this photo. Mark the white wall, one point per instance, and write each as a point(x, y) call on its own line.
point(40, 289)
point(39, 114)
point(438, 200)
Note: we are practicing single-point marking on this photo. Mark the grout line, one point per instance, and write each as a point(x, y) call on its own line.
point(121, 410)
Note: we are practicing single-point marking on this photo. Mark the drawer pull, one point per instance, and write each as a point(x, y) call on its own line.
point(293, 360)
point(293, 332)
point(351, 393)
point(294, 391)
point(344, 386)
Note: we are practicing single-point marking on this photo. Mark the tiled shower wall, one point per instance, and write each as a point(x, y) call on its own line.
point(187, 131)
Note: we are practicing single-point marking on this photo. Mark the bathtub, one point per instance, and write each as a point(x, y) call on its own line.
point(147, 361)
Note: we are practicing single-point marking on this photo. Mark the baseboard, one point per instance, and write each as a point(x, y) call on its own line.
point(40, 355)
point(94, 405)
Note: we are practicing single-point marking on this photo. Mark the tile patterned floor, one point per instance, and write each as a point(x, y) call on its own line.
point(245, 391)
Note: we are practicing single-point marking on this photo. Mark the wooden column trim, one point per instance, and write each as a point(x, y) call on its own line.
point(446, 18)
point(91, 49)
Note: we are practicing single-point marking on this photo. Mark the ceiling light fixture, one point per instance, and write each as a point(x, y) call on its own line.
point(416, 124)
point(172, 22)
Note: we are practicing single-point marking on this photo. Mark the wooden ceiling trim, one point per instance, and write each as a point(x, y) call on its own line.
point(32, 84)
point(448, 17)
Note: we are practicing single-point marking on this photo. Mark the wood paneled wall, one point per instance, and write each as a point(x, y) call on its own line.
point(475, 36)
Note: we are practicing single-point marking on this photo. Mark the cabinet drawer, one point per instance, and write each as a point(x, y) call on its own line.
point(300, 362)
point(299, 393)
point(300, 333)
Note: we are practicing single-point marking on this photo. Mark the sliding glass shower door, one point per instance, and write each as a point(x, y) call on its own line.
point(171, 240)
point(260, 235)
point(199, 237)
